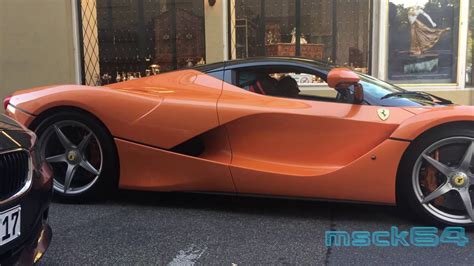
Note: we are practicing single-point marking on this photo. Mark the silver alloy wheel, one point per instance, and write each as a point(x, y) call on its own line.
point(57, 148)
point(457, 177)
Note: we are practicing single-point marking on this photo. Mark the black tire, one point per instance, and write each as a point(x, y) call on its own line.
point(107, 182)
point(406, 195)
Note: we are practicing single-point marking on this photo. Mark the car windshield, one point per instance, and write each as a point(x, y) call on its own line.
point(376, 87)
point(378, 92)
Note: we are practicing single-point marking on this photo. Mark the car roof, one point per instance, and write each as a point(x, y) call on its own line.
point(261, 61)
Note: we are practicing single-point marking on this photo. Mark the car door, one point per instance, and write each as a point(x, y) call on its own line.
point(295, 147)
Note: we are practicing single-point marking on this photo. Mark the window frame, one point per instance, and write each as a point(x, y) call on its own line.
point(373, 22)
point(380, 49)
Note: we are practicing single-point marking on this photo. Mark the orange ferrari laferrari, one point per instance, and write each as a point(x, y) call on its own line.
point(263, 126)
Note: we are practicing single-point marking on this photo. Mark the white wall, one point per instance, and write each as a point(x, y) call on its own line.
point(36, 44)
point(216, 31)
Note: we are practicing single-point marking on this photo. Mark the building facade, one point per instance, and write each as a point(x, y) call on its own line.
point(417, 44)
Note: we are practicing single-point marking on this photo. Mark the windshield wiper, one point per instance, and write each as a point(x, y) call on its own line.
point(422, 95)
point(406, 93)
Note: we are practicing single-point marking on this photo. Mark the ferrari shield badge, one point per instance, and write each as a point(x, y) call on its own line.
point(383, 113)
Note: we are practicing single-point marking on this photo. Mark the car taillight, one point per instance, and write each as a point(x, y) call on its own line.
point(6, 102)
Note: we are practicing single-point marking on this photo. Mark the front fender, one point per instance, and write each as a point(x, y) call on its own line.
point(428, 118)
point(161, 111)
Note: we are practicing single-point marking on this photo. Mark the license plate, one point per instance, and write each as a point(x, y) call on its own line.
point(10, 225)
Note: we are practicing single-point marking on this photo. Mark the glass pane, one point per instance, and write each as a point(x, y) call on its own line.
point(263, 28)
point(136, 38)
point(470, 46)
point(336, 31)
point(179, 35)
point(90, 47)
point(423, 41)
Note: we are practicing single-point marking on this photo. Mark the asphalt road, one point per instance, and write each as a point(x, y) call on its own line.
point(182, 229)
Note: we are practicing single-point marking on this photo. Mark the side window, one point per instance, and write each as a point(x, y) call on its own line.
point(296, 83)
point(217, 74)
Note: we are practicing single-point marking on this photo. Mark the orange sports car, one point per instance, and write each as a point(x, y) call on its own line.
point(264, 126)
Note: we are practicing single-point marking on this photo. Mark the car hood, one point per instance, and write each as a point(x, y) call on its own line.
point(14, 136)
point(7, 123)
point(446, 109)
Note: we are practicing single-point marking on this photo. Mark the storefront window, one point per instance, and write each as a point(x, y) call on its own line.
point(327, 30)
point(263, 28)
point(470, 47)
point(340, 29)
point(128, 39)
point(423, 41)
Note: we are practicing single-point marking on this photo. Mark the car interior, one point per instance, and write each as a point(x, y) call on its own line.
point(281, 82)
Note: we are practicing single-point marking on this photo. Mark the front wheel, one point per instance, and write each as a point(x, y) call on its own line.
point(436, 178)
point(81, 154)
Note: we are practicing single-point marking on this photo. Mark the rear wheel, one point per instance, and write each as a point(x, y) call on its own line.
point(81, 154)
point(436, 178)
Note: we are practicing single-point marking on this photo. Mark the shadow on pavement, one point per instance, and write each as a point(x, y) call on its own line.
point(364, 213)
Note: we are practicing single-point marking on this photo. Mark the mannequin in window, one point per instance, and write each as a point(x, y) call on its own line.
point(423, 37)
point(293, 37)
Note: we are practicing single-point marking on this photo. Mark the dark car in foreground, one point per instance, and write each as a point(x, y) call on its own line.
point(25, 194)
